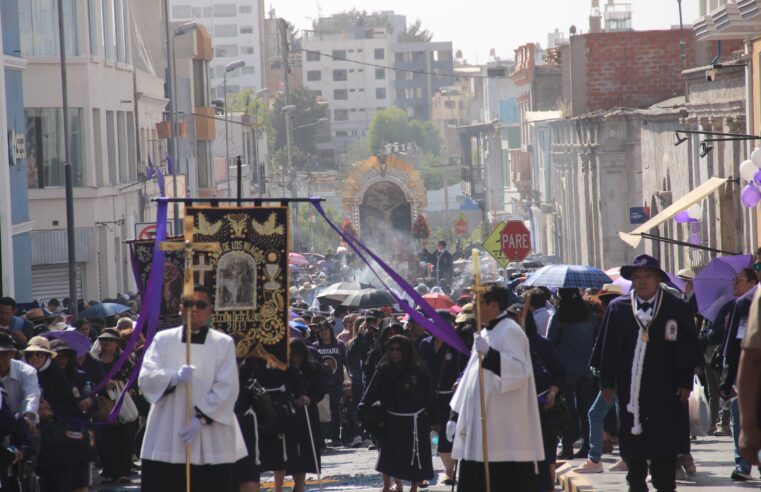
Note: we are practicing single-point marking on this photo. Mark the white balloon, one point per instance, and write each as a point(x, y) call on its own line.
point(695, 212)
point(748, 170)
point(755, 156)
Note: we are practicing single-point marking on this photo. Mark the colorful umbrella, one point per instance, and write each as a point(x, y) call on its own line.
point(438, 300)
point(103, 310)
point(568, 277)
point(78, 342)
point(713, 284)
point(297, 259)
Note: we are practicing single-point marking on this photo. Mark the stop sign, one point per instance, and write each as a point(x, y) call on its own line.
point(516, 241)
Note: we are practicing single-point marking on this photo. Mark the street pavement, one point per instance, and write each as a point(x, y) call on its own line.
point(353, 470)
point(714, 460)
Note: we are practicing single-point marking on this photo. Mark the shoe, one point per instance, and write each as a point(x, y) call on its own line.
point(372, 447)
point(619, 466)
point(681, 475)
point(357, 442)
point(589, 466)
point(686, 462)
point(740, 474)
point(423, 484)
point(450, 481)
point(581, 453)
point(722, 430)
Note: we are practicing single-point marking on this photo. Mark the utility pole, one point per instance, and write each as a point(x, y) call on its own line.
point(67, 171)
point(289, 128)
point(172, 115)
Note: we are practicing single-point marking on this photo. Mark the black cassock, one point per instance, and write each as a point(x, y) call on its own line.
point(283, 387)
point(670, 359)
point(303, 450)
point(410, 406)
point(445, 366)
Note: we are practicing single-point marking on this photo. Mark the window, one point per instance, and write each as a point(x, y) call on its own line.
point(97, 147)
point(340, 94)
point(314, 75)
point(340, 114)
point(398, 57)
point(246, 50)
point(225, 31)
point(119, 31)
point(38, 26)
point(340, 75)
point(225, 10)
point(342, 133)
point(44, 139)
point(248, 70)
point(380, 74)
point(244, 9)
point(339, 54)
point(226, 50)
point(379, 54)
point(181, 11)
point(449, 104)
point(313, 56)
point(317, 93)
point(246, 29)
point(197, 12)
point(380, 93)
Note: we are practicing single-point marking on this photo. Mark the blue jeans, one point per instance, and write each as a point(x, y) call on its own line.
point(734, 411)
point(597, 413)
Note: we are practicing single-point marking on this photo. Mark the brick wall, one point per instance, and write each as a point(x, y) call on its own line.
point(640, 68)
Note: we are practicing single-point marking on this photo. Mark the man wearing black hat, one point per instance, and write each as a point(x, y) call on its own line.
point(648, 358)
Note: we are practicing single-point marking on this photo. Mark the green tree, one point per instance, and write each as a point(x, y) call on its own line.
point(315, 232)
point(392, 125)
point(416, 33)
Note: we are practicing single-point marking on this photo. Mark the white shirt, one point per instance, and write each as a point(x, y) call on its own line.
point(22, 387)
point(214, 391)
point(513, 426)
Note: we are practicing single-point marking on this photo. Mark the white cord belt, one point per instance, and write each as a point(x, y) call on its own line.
point(250, 411)
point(272, 390)
point(415, 437)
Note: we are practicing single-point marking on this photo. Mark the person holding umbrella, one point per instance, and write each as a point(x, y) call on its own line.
point(647, 361)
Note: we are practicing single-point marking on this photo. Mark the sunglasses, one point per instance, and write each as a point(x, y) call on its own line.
point(198, 304)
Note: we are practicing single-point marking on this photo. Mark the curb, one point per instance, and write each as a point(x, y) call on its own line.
point(571, 481)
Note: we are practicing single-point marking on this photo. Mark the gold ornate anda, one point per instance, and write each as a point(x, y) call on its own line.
point(370, 172)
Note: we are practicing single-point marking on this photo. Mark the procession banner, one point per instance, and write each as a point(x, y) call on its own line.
point(172, 279)
point(248, 276)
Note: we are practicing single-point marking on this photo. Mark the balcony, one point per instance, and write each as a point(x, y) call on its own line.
point(520, 166)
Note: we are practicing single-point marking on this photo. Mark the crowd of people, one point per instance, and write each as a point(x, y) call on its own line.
point(567, 373)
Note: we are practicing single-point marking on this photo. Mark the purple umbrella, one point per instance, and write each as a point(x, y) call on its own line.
point(75, 340)
point(713, 285)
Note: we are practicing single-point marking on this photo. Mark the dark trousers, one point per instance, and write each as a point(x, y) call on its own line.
point(663, 472)
point(683, 424)
point(170, 477)
point(116, 448)
point(578, 393)
point(356, 396)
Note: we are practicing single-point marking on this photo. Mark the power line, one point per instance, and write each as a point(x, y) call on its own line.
point(395, 69)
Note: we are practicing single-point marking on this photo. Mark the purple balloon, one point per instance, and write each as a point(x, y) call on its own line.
point(757, 178)
point(682, 217)
point(750, 195)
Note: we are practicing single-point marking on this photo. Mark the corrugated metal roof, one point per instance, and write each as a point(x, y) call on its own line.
point(50, 247)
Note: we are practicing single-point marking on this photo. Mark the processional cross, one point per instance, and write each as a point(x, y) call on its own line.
point(190, 249)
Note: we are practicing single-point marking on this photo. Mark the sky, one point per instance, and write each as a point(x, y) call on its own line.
point(477, 26)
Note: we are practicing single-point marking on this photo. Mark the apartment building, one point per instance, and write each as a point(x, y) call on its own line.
point(421, 69)
point(237, 32)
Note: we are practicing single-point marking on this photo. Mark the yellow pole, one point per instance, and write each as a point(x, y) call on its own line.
point(482, 397)
point(188, 294)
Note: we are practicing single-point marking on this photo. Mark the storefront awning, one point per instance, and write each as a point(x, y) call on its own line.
point(634, 237)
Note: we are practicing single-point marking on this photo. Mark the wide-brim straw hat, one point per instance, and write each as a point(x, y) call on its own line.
point(39, 344)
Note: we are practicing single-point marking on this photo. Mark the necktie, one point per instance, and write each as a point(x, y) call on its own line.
point(645, 306)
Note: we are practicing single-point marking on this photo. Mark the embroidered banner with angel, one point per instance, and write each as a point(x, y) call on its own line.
point(249, 276)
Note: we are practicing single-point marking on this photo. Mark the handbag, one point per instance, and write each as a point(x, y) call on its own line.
point(557, 418)
point(105, 407)
point(128, 412)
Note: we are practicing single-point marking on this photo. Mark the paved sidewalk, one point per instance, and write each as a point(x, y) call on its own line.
point(714, 460)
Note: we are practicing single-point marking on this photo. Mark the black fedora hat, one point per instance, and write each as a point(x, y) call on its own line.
point(642, 261)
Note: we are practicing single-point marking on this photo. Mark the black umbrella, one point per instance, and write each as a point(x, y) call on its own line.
point(335, 294)
point(369, 298)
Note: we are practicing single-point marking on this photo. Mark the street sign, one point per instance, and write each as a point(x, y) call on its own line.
point(639, 215)
point(493, 245)
point(516, 241)
point(147, 230)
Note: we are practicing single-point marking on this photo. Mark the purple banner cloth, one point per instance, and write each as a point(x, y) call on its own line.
point(149, 313)
point(435, 325)
point(714, 282)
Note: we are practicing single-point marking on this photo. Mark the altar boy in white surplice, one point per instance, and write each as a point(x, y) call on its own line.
point(214, 436)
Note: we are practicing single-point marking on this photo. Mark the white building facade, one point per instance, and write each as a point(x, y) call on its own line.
point(104, 134)
point(237, 31)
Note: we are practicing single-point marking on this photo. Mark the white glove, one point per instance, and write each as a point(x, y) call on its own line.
point(189, 434)
point(481, 344)
point(451, 428)
point(184, 375)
